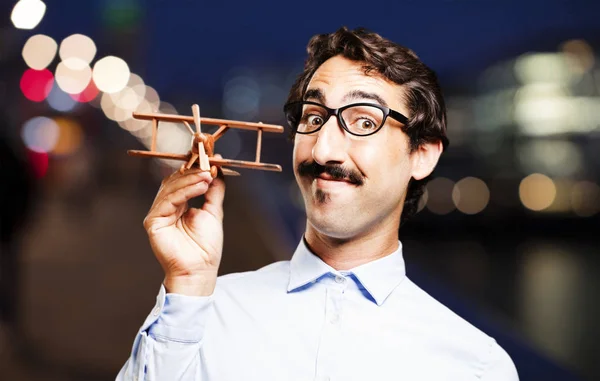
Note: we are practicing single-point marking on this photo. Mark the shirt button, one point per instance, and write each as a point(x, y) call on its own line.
point(334, 319)
point(339, 279)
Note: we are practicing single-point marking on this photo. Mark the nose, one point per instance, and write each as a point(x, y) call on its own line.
point(330, 147)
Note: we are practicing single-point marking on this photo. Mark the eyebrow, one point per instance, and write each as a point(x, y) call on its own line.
point(359, 94)
point(314, 94)
point(353, 95)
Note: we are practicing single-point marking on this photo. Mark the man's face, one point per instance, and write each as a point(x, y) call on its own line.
point(377, 167)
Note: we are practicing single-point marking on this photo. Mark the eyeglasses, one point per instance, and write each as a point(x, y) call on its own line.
point(360, 119)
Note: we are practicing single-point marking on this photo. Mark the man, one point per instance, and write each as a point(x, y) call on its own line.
point(369, 124)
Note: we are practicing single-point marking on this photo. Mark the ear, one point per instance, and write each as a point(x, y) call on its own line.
point(425, 158)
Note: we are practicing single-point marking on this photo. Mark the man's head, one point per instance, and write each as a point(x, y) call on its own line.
point(380, 176)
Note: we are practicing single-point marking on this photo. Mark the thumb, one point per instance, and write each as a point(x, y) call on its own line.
point(214, 197)
point(215, 194)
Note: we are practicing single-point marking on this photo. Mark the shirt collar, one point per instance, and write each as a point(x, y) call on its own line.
point(378, 277)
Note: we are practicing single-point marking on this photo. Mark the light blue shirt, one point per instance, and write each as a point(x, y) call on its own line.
point(303, 320)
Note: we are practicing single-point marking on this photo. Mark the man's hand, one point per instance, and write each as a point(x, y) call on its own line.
point(188, 242)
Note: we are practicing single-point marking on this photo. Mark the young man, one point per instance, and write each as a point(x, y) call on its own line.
point(369, 124)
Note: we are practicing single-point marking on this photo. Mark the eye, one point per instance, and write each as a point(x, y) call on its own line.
point(314, 120)
point(366, 124)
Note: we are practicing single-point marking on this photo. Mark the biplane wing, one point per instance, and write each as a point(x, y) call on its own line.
point(244, 164)
point(209, 121)
point(176, 156)
point(212, 160)
point(159, 155)
point(206, 158)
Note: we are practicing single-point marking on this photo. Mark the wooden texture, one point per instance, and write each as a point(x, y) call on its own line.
point(189, 127)
point(202, 158)
point(220, 132)
point(209, 121)
point(258, 144)
point(245, 164)
point(154, 133)
point(202, 146)
point(212, 160)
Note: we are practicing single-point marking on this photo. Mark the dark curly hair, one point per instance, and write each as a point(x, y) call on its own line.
point(423, 95)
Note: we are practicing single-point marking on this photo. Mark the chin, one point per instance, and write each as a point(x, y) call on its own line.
point(332, 224)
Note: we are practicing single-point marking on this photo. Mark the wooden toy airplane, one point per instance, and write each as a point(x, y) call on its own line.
point(202, 149)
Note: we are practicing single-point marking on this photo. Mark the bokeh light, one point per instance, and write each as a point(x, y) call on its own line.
point(39, 51)
point(27, 14)
point(439, 191)
point(562, 199)
point(167, 108)
point(40, 134)
point(540, 68)
point(132, 124)
point(88, 94)
point(78, 46)
point(39, 162)
point(73, 75)
point(537, 192)
point(108, 106)
point(60, 101)
point(585, 198)
point(580, 54)
point(152, 97)
point(70, 136)
point(173, 137)
point(556, 157)
point(470, 195)
point(131, 96)
point(241, 95)
point(542, 109)
point(36, 84)
point(111, 74)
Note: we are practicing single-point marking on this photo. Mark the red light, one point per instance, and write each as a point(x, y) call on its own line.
point(88, 94)
point(36, 84)
point(39, 163)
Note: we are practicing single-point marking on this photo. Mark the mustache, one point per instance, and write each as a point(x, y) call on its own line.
point(336, 171)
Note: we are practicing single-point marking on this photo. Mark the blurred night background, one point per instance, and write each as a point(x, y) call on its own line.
point(507, 235)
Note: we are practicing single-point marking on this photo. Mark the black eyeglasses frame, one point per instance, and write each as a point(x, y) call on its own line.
point(338, 111)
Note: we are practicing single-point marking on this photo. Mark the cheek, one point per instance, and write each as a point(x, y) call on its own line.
point(386, 164)
point(380, 157)
point(302, 151)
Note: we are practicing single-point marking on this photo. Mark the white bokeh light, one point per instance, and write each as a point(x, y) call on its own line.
point(27, 14)
point(78, 46)
point(111, 74)
point(73, 75)
point(39, 51)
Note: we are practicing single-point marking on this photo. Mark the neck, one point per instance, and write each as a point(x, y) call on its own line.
point(348, 253)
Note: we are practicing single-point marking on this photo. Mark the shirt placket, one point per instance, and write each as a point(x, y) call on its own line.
point(331, 337)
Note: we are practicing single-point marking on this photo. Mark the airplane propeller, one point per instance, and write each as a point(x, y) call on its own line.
point(203, 159)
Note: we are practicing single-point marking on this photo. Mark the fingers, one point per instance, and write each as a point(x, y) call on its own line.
point(214, 197)
point(169, 208)
point(177, 181)
point(175, 191)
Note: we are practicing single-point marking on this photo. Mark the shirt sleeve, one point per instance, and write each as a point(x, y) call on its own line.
point(500, 367)
point(167, 346)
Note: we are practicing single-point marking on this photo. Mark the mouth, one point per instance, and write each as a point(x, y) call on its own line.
point(325, 180)
point(328, 177)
